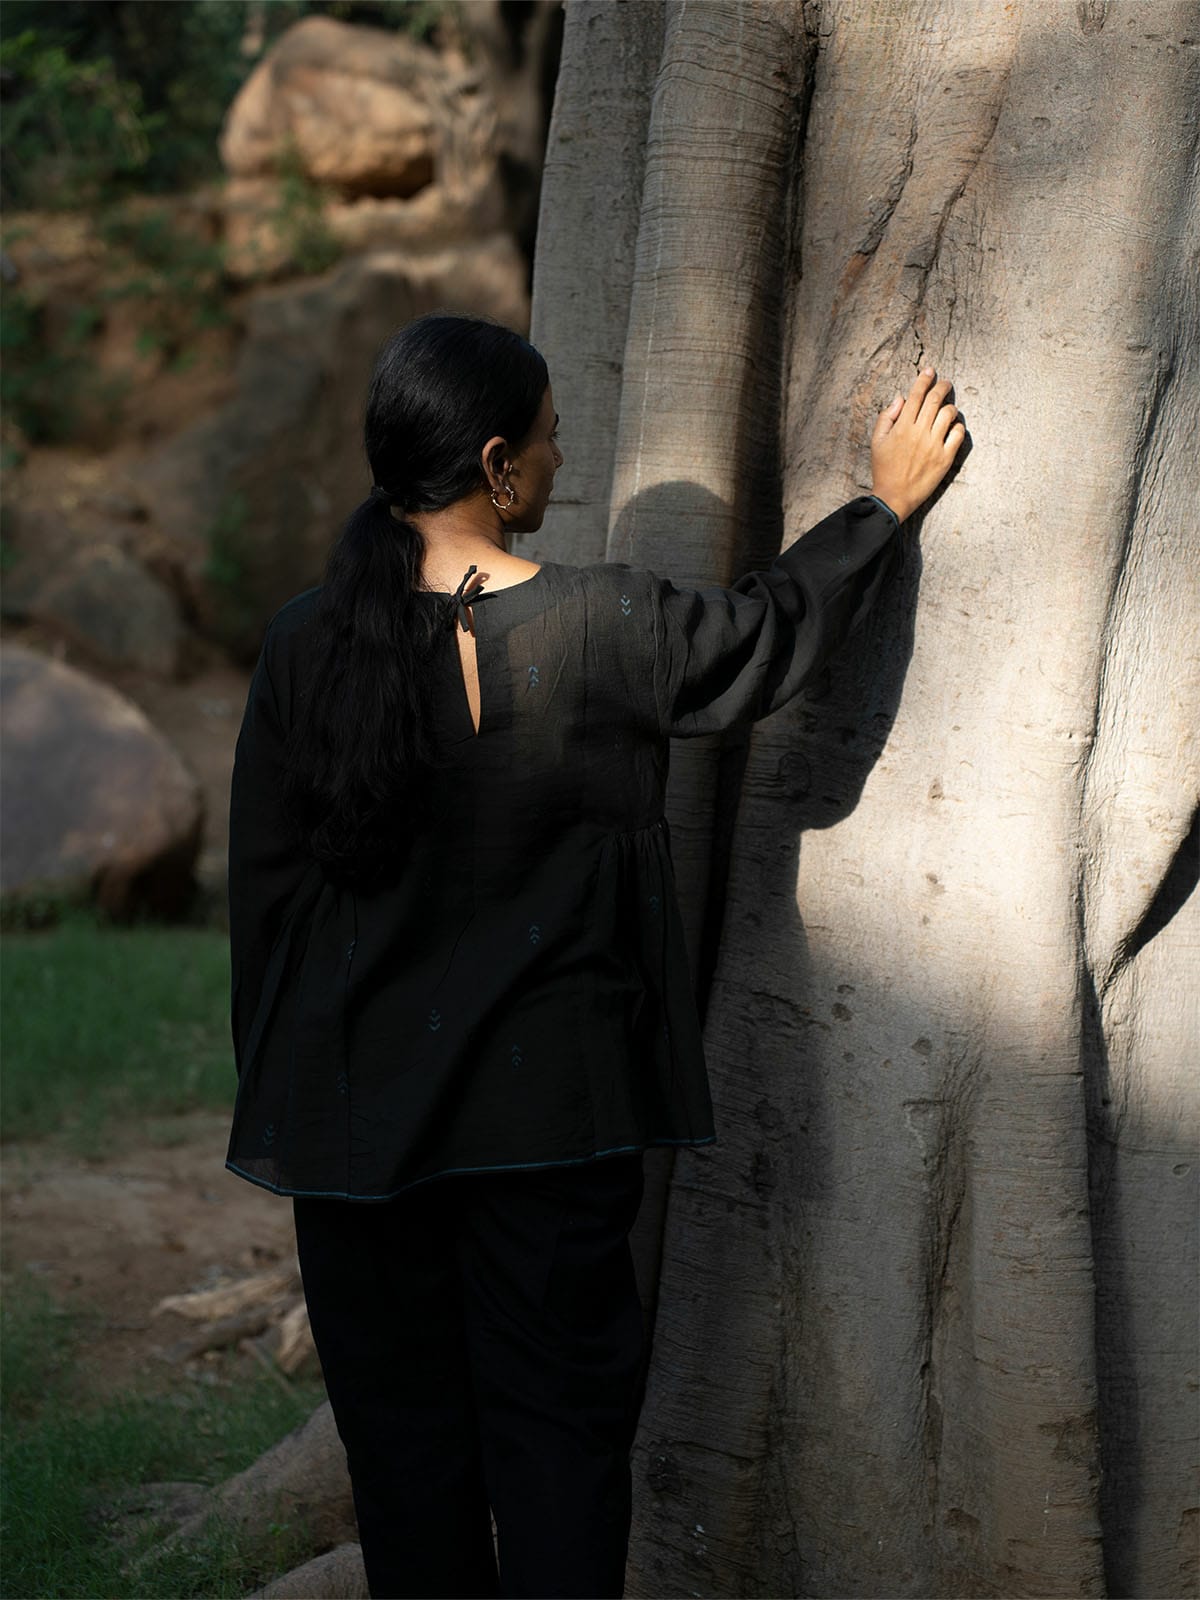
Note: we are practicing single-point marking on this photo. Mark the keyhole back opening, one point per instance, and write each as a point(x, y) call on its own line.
point(468, 661)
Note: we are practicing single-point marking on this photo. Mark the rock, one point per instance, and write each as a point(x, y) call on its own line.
point(249, 500)
point(302, 1480)
point(40, 539)
point(337, 1575)
point(116, 502)
point(107, 601)
point(257, 244)
point(351, 102)
point(95, 804)
point(399, 142)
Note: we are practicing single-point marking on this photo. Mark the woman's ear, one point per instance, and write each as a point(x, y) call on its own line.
point(495, 457)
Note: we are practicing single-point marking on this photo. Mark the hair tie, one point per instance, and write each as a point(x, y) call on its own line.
point(379, 493)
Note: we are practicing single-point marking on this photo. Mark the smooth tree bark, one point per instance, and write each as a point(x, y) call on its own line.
point(924, 1317)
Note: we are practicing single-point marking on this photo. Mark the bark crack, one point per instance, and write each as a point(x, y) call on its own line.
point(1179, 880)
point(1110, 964)
point(869, 243)
point(926, 267)
point(946, 1169)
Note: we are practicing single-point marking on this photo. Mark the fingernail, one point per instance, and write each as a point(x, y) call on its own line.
point(928, 373)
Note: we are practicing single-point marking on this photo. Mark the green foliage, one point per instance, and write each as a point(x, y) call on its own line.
point(227, 573)
point(177, 279)
point(418, 18)
point(103, 102)
point(65, 1463)
point(73, 130)
point(105, 99)
point(106, 1023)
point(49, 384)
point(299, 218)
point(44, 380)
point(109, 99)
point(225, 567)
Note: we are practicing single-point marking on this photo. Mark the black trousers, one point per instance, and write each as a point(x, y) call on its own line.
point(481, 1341)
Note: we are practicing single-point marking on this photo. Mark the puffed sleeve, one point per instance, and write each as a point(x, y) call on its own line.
point(728, 656)
point(265, 866)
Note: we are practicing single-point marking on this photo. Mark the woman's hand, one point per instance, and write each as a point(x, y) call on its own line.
point(914, 445)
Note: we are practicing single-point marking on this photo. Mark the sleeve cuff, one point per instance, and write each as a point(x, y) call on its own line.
point(885, 506)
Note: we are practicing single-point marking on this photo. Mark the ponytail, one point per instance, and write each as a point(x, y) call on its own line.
point(361, 745)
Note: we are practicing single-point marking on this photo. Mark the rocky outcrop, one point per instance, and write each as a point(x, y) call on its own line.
point(249, 499)
point(95, 804)
point(100, 597)
point(399, 138)
point(337, 1575)
point(303, 1481)
point(354, 102)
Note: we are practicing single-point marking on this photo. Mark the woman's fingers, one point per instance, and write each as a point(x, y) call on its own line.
point(886, 419)
point(941, 423)
point(915, 443)
point(922, 384)
point(932, 403)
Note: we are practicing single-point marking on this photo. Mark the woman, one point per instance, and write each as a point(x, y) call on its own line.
point(461, 1007)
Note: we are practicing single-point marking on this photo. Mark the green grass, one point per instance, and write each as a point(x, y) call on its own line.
point(104, 1025)
point(66, 1459)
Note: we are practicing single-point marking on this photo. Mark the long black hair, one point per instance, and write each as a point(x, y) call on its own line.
point(360, 746)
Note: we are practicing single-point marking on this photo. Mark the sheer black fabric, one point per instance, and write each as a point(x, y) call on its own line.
point(521, 996)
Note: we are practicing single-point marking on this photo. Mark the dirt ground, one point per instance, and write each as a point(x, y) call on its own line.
point(117, 1235)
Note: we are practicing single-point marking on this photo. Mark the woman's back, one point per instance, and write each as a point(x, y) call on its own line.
point(520, 994)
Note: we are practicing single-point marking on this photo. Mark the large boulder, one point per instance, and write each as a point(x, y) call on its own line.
point(248, 500)
point(355, 104)
point(101, 597)
point(370, 118)
point(94, 803)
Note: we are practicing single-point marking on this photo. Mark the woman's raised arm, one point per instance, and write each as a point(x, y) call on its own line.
point(731, 655)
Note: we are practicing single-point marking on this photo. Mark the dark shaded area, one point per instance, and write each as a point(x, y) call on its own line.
point(522, 180)
point(107, 97)
point(1182, 877)
point(804, 767)
point(1124, 1439)
point(1120, 1494)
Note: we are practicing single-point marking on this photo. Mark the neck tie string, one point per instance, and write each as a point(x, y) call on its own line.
point(459, 603)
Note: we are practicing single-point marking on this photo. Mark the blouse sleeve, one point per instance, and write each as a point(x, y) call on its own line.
point(265, 866)
point(728, 656)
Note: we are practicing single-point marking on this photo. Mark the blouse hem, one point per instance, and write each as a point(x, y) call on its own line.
point(504, 1166)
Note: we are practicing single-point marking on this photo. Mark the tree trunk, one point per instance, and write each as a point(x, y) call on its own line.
point(925, 1313)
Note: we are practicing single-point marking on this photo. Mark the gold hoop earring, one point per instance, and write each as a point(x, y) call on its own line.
point(512, 495)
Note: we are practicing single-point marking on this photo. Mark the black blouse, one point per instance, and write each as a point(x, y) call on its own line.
point(520, 996)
